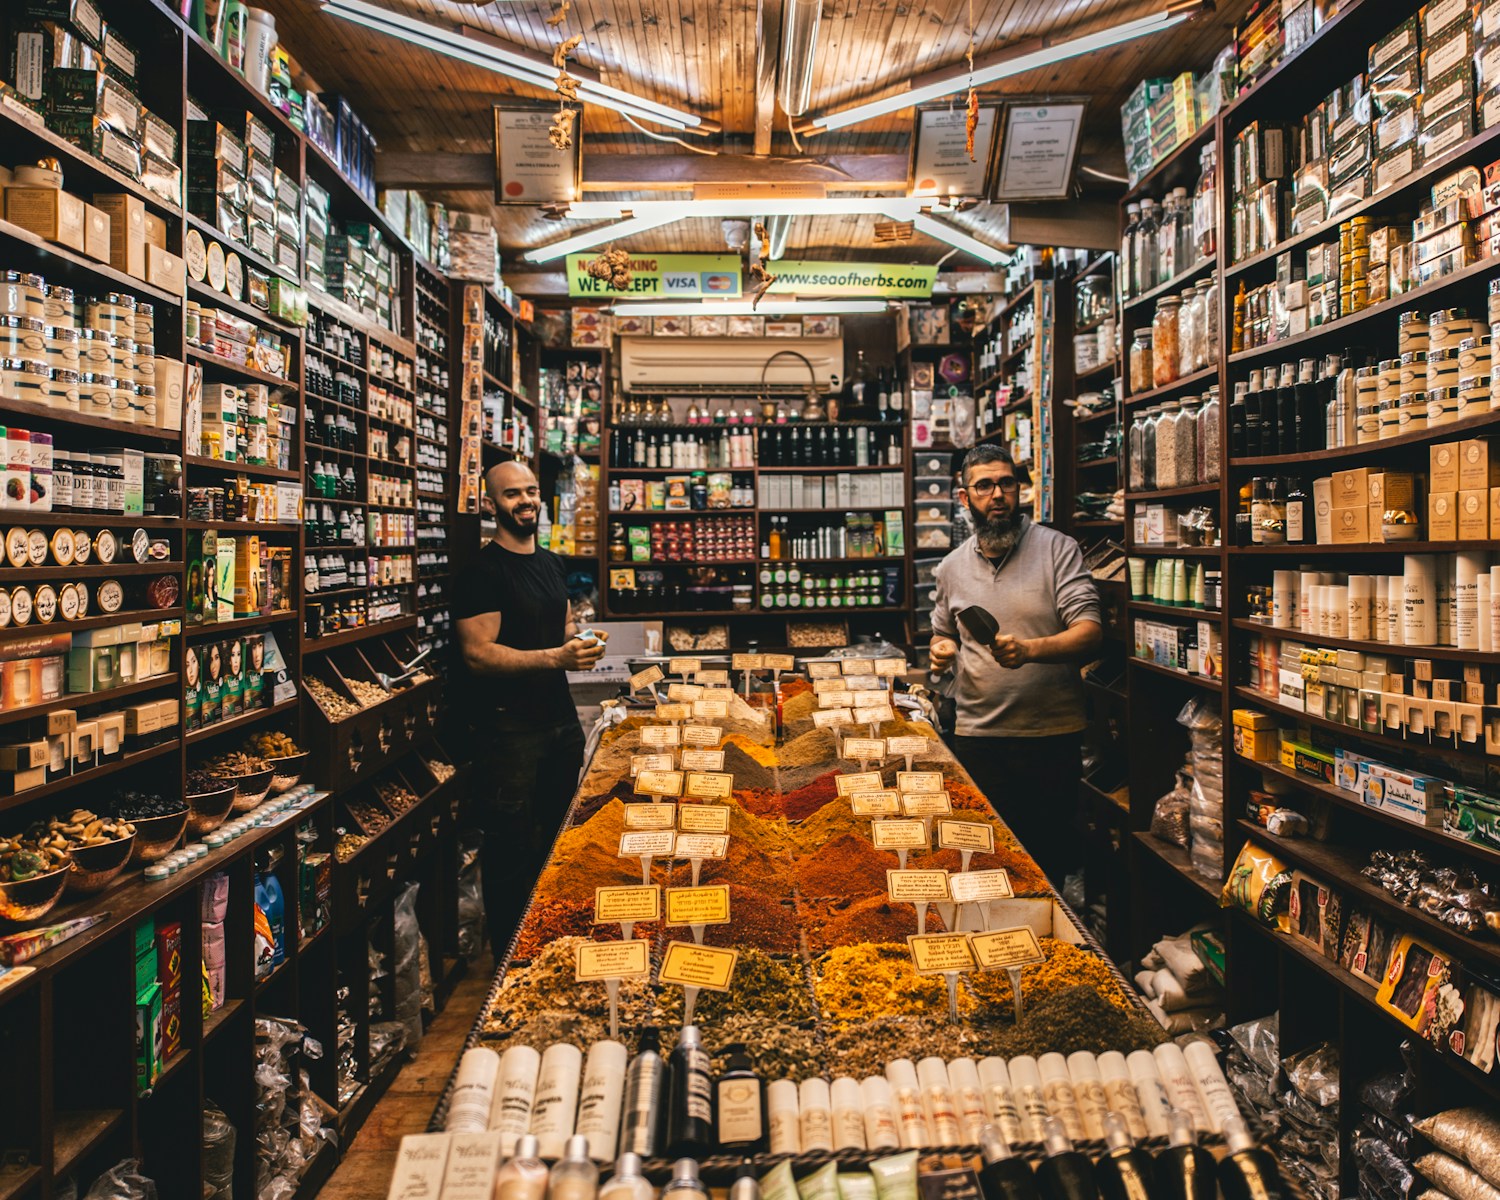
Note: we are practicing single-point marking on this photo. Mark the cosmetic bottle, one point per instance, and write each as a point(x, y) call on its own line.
point(1004, 1177)
point(690, 1110)
point(524, 1177)
point(645, 1080)
point(1247, 1172)
point(1123, 1171)
point(1067, 1174)
point(574, 1177)
point(1184, 1170)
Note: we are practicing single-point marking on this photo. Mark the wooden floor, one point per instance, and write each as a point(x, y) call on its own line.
point(365, 1172)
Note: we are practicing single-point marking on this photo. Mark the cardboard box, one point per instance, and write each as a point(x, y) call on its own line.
point(1474, 515)
point(47, 212)
point(148, 1037)
point(1442, 467)
point(1442, 516)
point(1259, 745)
point(83, 745)
point(1351, 488)
point(1323, 510)
point(1388, 490)
point(156, 231)
point(142, 719)
point(1478, 465)
point(23, 756)
point(61, 720)
point(1495, 508)
point(127, 231)
point(1351, 526)
point(111, 735)
point(96, 239)
point(165, 270)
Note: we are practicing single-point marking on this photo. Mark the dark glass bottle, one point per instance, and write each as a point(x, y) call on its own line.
point(1004, 1177)
point(1247, 1172)
point(1253, 440)
point(690, 1126)
point(1312, 417)
point(1124, 1172)
point(1066, 1174)
point(1184, 1170)
point(740, 1106)
point(1286, 412)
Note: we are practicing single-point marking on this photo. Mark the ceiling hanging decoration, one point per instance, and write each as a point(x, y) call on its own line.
point(971, 122)
point(758, 272)
point(561, 14)
point(613, 266)
point(561, 132)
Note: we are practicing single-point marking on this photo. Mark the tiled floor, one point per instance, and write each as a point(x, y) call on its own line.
point(407, 1107)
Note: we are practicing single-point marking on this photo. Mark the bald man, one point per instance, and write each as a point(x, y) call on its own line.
point(518, 639)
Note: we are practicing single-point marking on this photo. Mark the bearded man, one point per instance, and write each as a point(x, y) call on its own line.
point(518, 640)
point(1019, 698)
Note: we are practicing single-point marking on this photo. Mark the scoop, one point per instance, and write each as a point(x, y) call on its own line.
point(979, 624)
point(408, 670)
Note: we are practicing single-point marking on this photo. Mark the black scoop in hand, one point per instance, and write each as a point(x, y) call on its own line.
point(979, 624)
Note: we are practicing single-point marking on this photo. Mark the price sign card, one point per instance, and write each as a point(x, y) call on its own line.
point(673, 712)
point(651, 843)
point(661, 735)
point(908, 744)
point(650, 762)
point(747, 662)
point(926, 804)
point(843, 698)
point(702, 845)
point(859, 781)
point(908, 887)
point(702, 735)
point(873, 714)
point(919, 781)
point(891, 668)
point(703, 760)
point(1001, 948)
point(698, 906)
point(659, 783)
point(644, 679)
point(979, 887)
point(874, 804)
point(713, 678)
point(827, 718)
point(709, 785)
point(899, 835)
point(864, 748)
point(939, 953)
point(831, 683)
point(779, 662)
point(823, 670)
point(684, 666)
point(595, 962)
point(871, 684)
point(686, 692)
point(690, 965)
point(859, 666)
point(703, 818)
point(615, 904)
point(966, 835)
point(650, 816)
point(725, 694)
point(709, 710)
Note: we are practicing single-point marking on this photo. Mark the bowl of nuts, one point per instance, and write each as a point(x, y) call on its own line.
point(95, 867)
point(32, 879)
point(98, 847)
point(209, 801)
point(251, 775)
point(158, 822)
point(286, 759)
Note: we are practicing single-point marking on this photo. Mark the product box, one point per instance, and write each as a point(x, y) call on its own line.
point(1442, 516)
point(1417, 798)
point(1350, 526)
point(49, 213)
point(1260, 745)
point(126, 215)
point(1443, 467)
point(224, 588)
point(1350, 488)
point(1473, 515)
point(111, 735)
point(1478, 464)
point(1307, 760)
point(165, 270)
point(148, 1037)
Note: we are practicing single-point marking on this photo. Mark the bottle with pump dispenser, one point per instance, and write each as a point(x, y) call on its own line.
point(690, 1125)
point(524, 1176)
point(1184, 1170)
point(1004, 1177)
point(1123, 1171)
point(645, 1078)
point(1066, 1174)
point(574, 1177)
point(628, 1182)
point(685, 1184)
point(1247, 1172)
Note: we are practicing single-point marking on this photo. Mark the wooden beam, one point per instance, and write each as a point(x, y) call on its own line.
point(653, 172)
point(1086, 224)
point(767, 56)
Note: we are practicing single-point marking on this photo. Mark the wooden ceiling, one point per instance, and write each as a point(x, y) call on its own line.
point(701, 55)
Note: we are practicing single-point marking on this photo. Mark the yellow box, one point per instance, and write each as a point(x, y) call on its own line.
point(127, 231)
point(156, 231)
point(1351, 488)
point(1351, 525)
point(23, 756)
point(1259, 745)
point(1251, 718)
point(62, 720)
point(96, 239)
point(142, 718)
point(47, 212)
point(1478, 465)
point(1442, 516)
point(165, 270)
point(1474, 515)
point(1442, 467)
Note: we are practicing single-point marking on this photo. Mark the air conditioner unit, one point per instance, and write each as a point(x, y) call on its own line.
point(710, 364)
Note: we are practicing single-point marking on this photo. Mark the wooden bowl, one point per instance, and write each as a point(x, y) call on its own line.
point(28, 899)
point(156, 837)
point(251, 789)
point(286, 773)
point(208, 810)
point(95, 867)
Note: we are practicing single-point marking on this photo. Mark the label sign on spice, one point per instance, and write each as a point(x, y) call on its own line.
point(926, 804)
point(976, 887)
point(707, 710)
point(661, 735)
point(709, 785)
point(597, 961)
point(613, 904)
point(966, 835)
point(842, 698)
point(726, 695)
point(1000, 948)
point(691, 965)
point(910, 886)
point(659, 783)
point(703, 818)
point(702, 845)
point(938, 953)
point(899, 835)
point(779, 662)
point(644, 679)
point(684, 666)
point(859, 666)
point(831, 684)
point(713, 678)
point(866, 748)
point(919, 781)
point(703, 760)
point(826, 718)
point(859, 781)
point(872, 714)
point(908, 745)
point(890, 667)
point(653, 843)
point(684, 691)
point(673, 712)
point(874, 804)
point(698, 906)
point(650, 816)
point(822, 670)
point(702, 735)
point(747, 662)
point(650, 762)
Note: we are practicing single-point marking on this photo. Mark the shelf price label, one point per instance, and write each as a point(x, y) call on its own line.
point(919, 781)
point(1002, 949)
point(923, 884)
point(823, 670)
point(899, 835)
point(709, 679)
point(939, 953)
point(701, 845)
point(828, 718)
point(659, 783)
point(779, 662)
point(644, 679)
point(703, 760)
point(661, 735)
point(926, 804)
point(890, 668)
point(864, 748)
point(653, 843)
point(908, 746)
point(747, 662)
point(694, 966)
point(830, 683)
point(873, 714)
point(875, 804)
point(860, 781)
point(703, 818)
point(842, 698)
point(650, 816)
point(980, 887)
point(708, 710)
point(650, 762)
point(595, 962)
point(686, 692)
point(684, 666)
point(859, 666)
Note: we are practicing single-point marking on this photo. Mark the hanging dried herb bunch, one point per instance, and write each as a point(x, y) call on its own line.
point(561, 14)
point(758, 270)
point(561, 132)
point(613, 266)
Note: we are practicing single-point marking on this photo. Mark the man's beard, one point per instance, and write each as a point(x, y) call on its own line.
point(521, 528)
point(997, 532)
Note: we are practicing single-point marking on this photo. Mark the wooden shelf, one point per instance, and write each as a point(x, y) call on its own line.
point(1178, 163)
point(212, 362)
point(1206, 376)
point(75, 1133)
point(1369, 646)
point(217, 299)
point(1179, 860)
point(1200, 681)
point(95, 622)
point(349, 364)
point(245, 526)
point(91, 776)
point(88, 570)
point(1201, 268)
point(56, 418)
point(221, 1016)
point(227, 467)
point(228, 628)
point(79, 699)
point(345, 637)
point(212, 233)
point(1192, 489)
point(60, 263)
point(1312, 549)
point(1452, 431)
point(1179, 551)
point(1250, 696)
point(1175, 610)
point(253, 717)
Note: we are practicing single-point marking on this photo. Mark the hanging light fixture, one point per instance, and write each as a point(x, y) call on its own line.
point(799, 43)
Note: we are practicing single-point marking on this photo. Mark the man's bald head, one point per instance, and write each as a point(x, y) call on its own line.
point(513, 489)
point(507, 475)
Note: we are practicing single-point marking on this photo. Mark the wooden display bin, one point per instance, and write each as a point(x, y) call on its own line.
point(355, 748)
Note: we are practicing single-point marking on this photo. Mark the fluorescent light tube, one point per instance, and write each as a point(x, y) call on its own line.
point(799, 43)
point(595, 237)
point(954, 236)
point(771, 305)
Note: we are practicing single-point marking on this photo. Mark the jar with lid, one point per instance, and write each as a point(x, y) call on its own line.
point(1166, 445)
point(1189, 314)
point(1188, 428)
point(1208, 437)
point(1166, 351)
point(1148, 446)
point(1210, 289)
point(1141, 369)
point(1135, 453)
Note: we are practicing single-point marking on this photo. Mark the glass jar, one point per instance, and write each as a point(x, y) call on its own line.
point(1093, 300)
point(1188, 464)
point(1189, 313)
point(1148, 447)
point(1166, 351)
point(1136, 453)
point(1210, 289)
point(1166, 445)
point(1141, 369)
point(1208, 438)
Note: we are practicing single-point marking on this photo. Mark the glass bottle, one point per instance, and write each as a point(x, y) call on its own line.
point(1166, 445)
point(1141, 368)
point(1126, 268)
point(1187, 466)
point(1210, 424)
point(1206, 205)
point(1165, 349)
point(1188, 315)
point(1145, 248)
point(1148, 445)
point(1135, 453)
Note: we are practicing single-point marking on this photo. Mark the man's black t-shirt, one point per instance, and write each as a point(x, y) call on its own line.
point(530, 593)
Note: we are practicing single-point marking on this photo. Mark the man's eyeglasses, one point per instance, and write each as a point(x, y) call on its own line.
point(983, 487)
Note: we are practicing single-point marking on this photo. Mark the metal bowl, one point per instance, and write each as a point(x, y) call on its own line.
point(156, 837)
point(28, 899)
point(286, 773)
point(251, 789)
point(95, 867)
point(207, 810)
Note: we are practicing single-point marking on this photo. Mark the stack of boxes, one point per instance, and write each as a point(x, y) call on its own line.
point(1258, 39)
point(1137, 128)
point(361, 270)
point(423, 224)
point(66, 745)
point(333, 126)
point(235, 186)
point(70, 65)
point(150, 998)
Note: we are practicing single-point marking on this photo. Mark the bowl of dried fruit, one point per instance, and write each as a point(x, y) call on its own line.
point(251, 775)
point(32, 879)
point(99, 847)
point(286, 759)
point(209, 800)
point(158, 820)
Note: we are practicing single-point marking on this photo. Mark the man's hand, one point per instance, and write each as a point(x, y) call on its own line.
point(579, 654)
point(941, 652)
point(1010, 651)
